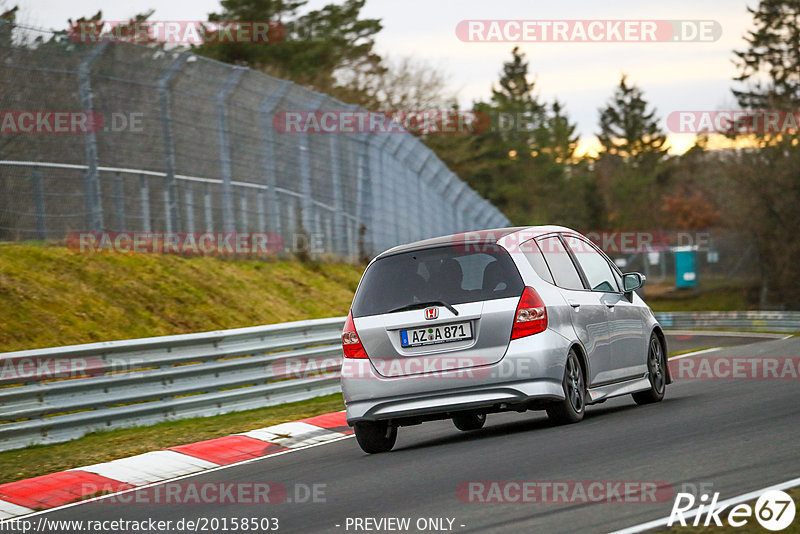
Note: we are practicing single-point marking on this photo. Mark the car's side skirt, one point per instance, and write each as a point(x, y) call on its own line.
point(601, 393)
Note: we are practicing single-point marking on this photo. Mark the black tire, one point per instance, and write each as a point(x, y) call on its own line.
point(572, 408)
point(656, 370)
point(375, 437)
point(469, 421)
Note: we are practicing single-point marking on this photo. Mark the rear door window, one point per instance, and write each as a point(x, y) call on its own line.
point(558, 259)
point(448, 274)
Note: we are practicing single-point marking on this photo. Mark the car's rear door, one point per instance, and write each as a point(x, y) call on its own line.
point(625, 321)
point(588, 313)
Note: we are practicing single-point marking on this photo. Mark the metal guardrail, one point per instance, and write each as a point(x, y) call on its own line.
point(747, 321)
point(62, 393)
point(57, 394)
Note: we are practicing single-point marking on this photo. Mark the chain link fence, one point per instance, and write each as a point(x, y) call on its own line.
point(187, 144)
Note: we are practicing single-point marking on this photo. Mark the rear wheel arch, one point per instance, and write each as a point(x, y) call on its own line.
point(583, 360)
point(662, 338)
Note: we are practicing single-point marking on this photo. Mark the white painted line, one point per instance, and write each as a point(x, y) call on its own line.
point(9, 509)
point(727, 333)
point(728, 502)
point(293, 435)
point(210, 470)
point(149, 467)
point(695, 353)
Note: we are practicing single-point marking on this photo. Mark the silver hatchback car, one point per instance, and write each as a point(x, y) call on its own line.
point(511, 319)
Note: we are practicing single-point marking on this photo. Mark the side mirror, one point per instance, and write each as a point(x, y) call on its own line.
point(632, 281)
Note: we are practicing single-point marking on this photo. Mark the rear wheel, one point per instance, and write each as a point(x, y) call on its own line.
point(469, 421)
point(374, 437)
point(572, 408)
point(656, 368)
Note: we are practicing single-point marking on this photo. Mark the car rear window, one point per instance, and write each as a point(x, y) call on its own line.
point(448, 274)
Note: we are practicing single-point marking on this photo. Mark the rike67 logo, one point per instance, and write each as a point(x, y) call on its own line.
point(774, 510)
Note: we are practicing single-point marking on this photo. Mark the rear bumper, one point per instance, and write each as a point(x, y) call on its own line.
point(488, 398)
point(531, 371)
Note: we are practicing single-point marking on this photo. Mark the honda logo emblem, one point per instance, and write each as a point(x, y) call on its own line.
point(431, 313)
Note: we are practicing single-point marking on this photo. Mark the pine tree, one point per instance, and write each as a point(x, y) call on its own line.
point(770, 65)
point(765, 183)
point(317, 46)
point(628, 129)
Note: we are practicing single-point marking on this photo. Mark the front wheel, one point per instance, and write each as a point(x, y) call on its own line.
point(470, 421)
point(374, 437)
point(572, 408)
point(656, 369)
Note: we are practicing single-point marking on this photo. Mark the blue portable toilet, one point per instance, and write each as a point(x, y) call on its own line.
point(685, 275)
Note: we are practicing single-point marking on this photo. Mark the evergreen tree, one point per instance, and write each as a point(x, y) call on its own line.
point(770, 65)
point(765, 183)
point(628, 129)
point(316, 48)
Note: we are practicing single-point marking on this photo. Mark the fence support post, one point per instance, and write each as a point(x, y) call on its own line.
point(171, 215)
point(228, 222)
point(144, 196)
point(38, 199)
point(304, 152)
point(270, 169)
point(94, 208)
point(364, 227)
point(119, 202)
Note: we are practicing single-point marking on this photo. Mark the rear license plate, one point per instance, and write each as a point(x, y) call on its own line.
point(433, 335)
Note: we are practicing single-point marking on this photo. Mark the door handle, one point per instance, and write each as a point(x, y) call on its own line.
point(575, 305)
point(610, 306)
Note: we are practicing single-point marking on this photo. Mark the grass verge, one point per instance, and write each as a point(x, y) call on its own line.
point(104, 446)
point(52, 296)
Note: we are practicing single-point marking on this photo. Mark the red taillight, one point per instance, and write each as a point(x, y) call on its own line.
point(531, 315)
point(351, 345)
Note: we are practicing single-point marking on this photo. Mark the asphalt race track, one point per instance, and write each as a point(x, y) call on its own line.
point(737, 435)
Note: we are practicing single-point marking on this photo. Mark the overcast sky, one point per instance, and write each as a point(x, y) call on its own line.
point(674, 76)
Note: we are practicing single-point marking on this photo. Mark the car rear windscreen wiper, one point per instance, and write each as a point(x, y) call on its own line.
point(416, 305)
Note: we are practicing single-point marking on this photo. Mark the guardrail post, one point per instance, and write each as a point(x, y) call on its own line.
point(94, 207)
point(268, 139)
point(228, 222)
point(38, 199)
point(171, 215)
point(119, 202)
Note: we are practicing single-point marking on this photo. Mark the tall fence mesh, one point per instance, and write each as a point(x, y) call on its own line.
point(187, 144)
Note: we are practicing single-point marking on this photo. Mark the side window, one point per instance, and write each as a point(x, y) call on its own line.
point(598, 272)
point(535, 257)
point(560, 263)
